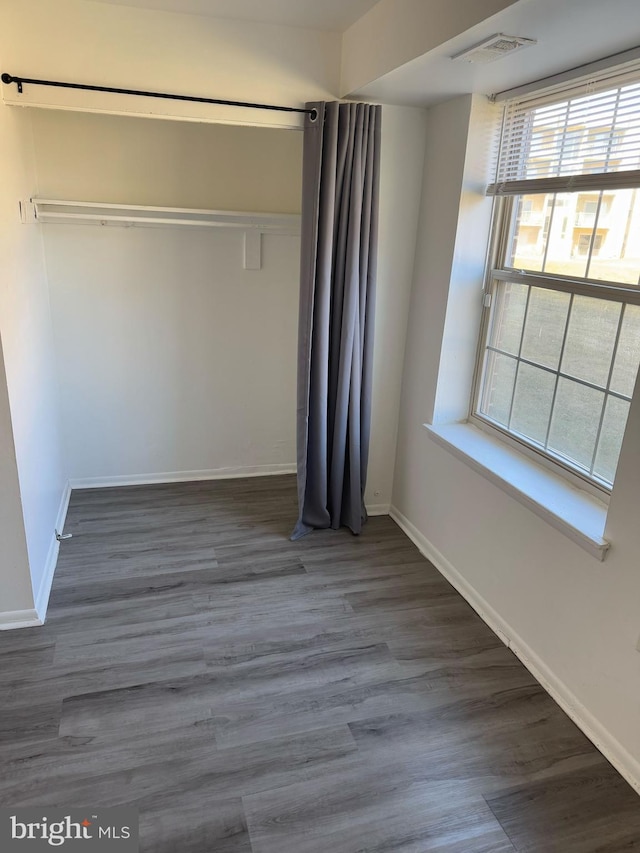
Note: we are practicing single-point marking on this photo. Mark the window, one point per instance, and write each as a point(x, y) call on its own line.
point(589, 243)
point(560, 344)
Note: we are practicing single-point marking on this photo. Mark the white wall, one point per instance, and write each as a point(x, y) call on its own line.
point(126, 47)
point(576, 618)
point(445, 153)
point(16, 595)
point(81, 156)
point(25, 327)
point(402, 157)
point(173, 360)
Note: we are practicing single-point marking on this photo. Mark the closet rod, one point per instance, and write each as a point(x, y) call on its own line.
point(19, 81)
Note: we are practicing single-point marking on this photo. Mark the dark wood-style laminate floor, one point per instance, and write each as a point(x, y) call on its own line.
point(247, 693)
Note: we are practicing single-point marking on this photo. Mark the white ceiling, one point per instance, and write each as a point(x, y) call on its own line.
point(316, 14)
point(569, 33)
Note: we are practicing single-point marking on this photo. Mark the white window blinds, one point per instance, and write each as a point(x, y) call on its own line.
point(586, 135)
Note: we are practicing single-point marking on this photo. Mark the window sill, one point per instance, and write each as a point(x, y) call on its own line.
point(572, 511)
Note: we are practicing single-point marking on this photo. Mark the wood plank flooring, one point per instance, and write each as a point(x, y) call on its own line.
point(247, 693)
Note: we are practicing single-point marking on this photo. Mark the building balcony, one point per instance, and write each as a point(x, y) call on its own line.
point(532, 217)
point(588, 220)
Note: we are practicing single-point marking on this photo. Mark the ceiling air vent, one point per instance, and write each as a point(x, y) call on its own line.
point(493, 48)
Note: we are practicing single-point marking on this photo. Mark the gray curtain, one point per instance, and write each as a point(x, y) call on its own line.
point(341, 167)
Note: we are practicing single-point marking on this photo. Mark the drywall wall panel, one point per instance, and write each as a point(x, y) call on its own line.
point(15, 583)
point(445, 153)
point(88, 157)
point(27, 339)
point(402, 157)
point(173, 359)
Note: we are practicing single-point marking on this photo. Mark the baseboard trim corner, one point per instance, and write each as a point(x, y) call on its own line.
point(183, 476)
point(12, 619)
point(378, 509)
point(606, 743)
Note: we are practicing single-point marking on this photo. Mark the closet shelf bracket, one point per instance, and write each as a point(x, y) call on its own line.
point(27, 212)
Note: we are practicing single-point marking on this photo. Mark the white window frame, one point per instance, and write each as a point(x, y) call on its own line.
point(503, 221)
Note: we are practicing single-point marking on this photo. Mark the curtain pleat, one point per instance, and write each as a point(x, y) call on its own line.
point(341, 167)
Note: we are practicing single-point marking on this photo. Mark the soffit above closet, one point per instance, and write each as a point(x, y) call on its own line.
point(330, 15)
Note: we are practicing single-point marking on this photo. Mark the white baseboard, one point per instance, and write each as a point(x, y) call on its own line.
point(19, 619)
point(44, 590)
point(378, 509)
point(608, 745)
point(183, 476)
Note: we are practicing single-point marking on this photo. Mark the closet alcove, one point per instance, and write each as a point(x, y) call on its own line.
point(174, 293)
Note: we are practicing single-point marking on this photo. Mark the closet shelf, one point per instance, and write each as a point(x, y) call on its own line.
point(96, 213)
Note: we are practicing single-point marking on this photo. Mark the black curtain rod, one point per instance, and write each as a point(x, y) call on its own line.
point(19, 81)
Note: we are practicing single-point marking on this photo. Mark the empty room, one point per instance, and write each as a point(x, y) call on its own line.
point(320, 426)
